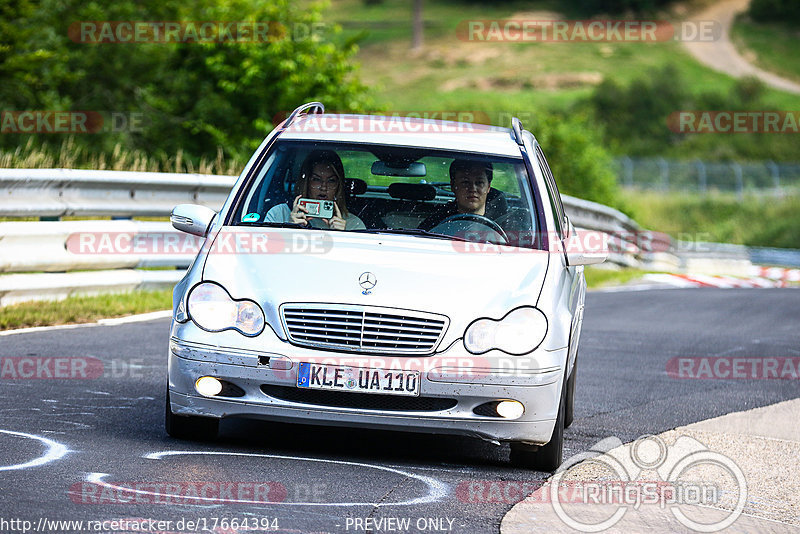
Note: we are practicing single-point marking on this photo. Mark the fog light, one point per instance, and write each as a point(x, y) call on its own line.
point(208, 386)
point(509, 409)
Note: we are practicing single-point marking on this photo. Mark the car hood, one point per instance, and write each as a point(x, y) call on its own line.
point(460, 280)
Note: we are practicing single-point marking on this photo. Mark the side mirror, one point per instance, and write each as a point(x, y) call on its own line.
point(586, 258)
point(586, 247)
point(192, 219)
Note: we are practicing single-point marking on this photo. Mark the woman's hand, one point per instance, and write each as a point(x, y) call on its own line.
point(299, 213)
point(336, 222)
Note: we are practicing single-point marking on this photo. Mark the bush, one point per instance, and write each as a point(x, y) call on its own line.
point(609, 7)
point(193, 96)
point(635, 119)
point(581, 165)
point(785, 11)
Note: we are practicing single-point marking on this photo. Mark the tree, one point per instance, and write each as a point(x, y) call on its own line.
point(194, 96)
point(786, 11)
point(418, 26)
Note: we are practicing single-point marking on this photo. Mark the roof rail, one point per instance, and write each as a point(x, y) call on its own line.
point(311, 108)
point(516, 125)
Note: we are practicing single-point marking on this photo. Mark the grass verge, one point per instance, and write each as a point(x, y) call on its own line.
point(773, 46)
point(83, 309)
point(597, 277)
point(755, 220)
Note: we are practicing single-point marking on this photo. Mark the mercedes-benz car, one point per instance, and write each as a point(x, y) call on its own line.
point(384, 272)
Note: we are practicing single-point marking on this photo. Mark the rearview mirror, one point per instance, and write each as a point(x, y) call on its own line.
point(415, 169)
point(192, 219)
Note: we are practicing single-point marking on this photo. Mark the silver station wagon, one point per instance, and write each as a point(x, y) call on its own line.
point(384, 272)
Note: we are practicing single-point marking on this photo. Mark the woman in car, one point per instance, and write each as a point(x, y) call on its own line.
point(321, 178)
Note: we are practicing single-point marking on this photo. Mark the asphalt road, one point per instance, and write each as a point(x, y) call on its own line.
point(333, 479)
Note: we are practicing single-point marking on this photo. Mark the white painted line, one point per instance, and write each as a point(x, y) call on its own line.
point(55, 451)
point(162, 314)
point(437, 490)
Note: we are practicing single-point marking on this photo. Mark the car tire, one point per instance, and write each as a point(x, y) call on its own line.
point(569, 407)
point(190, 426)
point(546, 457)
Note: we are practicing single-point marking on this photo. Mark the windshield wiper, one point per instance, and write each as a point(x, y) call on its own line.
point(410, 231)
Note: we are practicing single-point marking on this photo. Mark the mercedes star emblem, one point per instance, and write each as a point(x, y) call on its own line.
point(367, 281)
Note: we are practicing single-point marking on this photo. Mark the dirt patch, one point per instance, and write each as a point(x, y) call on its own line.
point(543, 82)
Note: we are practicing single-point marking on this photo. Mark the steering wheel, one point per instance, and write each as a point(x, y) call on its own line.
point(480, 219)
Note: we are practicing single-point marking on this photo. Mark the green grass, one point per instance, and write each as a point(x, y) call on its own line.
point(602, 277)
point(499, 78)
point(69, 155)
point(83, 309)
point(765, 220)
point(773, 47)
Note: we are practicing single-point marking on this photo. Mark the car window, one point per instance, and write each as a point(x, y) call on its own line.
point(555, 198)
point(397, 189)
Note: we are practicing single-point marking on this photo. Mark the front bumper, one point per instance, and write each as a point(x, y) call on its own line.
point(536, 386)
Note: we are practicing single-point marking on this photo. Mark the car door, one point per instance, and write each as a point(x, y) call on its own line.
point(571, 285)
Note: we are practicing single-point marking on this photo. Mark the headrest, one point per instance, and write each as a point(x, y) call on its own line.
point(355, 186)
point(412, 191)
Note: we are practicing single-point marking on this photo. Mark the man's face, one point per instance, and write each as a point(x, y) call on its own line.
point(471, 187)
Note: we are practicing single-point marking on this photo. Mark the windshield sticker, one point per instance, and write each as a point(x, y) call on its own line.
point(251, 217)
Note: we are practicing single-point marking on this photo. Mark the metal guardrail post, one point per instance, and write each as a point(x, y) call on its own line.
point(775, 171)
point(627, 167)
point(701, 175)
point(737, 171)
point(664, 167)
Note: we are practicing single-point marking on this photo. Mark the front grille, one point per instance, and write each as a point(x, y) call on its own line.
point(363, 328)
point(363, 401)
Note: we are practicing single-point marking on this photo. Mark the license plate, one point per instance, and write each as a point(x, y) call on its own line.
point(358, 380)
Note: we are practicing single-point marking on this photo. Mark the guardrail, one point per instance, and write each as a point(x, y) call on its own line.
point(44, 247)
point(89, 193)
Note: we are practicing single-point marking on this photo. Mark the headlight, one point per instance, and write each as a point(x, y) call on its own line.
point(211, 308)
point(519, 332)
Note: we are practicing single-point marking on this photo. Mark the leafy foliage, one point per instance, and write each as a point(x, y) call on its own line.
point(193, 96)
point(581, 165)
point(784, 11)
point(635, 119)
point(609, 7)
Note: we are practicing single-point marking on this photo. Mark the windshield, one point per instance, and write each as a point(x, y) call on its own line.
point(384, 189)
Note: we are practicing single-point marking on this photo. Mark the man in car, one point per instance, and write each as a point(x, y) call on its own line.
point(470, 182)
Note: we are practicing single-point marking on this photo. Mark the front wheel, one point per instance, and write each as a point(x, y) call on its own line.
point(190, 426)
point(543, 457)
